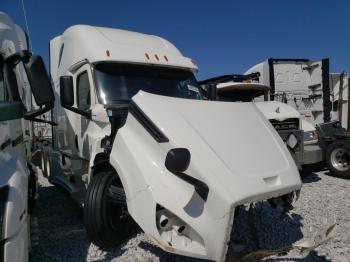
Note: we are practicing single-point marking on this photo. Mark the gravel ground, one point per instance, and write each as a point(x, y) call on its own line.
point(323, 200)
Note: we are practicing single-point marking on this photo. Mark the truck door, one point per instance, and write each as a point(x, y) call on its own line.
point(5, 139)
point(83, 94)
point(11, 133)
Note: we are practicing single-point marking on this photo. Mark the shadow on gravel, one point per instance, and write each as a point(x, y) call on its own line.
point(265, 228)
point(164, 256)
point(312, 257)
point(328, 173)
point(60, 231)
point(311, 178)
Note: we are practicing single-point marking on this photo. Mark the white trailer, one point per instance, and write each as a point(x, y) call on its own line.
point(135, 141)
point(18, 182)
point(339, 86)
point(307, 86)
point(301, 83)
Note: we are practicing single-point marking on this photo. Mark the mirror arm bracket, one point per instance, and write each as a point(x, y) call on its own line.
point(84, 113)
point(17, 57)
point(31, 115)
point(43, 121)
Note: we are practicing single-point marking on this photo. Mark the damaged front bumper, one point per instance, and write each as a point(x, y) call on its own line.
point(177, 218)
point(313, 154)
point(203, 235)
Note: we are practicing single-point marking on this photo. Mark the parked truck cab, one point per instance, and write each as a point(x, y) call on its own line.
point(136, 142)
point(22, 76)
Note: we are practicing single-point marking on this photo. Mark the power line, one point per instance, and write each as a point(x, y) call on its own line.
point(26, 22)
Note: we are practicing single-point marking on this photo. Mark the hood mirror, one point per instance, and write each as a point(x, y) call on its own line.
point(178, 160)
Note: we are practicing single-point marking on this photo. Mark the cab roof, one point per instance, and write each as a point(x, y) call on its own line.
point(97, 44)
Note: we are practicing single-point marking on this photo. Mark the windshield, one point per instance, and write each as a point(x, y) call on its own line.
point(120, 82)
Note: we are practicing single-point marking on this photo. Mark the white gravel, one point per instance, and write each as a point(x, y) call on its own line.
point(324, 199)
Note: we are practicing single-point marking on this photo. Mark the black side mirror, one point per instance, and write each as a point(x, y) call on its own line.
point(40, 85)
point(212, 92)
point(66, 91)
point(178, 160)
point(67, 96)
point(11, 110)
point(39, 81)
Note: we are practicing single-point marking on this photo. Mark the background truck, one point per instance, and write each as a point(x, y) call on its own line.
point(136, 142)
point(301, 83)
point(321, 98)
point(299, 135)
point(21, 75)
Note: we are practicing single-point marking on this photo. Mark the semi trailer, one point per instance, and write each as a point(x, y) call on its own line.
point(22, 77)
point(136, 142)
point(298, 134)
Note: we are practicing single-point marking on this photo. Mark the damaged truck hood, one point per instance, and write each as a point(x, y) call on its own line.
point(234, 151)
point(227, 141)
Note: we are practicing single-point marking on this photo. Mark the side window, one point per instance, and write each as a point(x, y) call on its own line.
point(83, 91)
point(2, 85)
point(60, 55)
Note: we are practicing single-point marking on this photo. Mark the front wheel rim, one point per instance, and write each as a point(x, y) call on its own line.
point(116, 212)
point(340, 159)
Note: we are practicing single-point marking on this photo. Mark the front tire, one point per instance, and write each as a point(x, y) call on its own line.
point(338, 159)
point(106, 220)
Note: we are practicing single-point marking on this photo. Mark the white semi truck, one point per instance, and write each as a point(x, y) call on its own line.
point(135, 142)
point(299, 135)
point(320, 97)
point(21, 75)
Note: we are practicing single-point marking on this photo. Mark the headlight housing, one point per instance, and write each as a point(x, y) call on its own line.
point(310, 136)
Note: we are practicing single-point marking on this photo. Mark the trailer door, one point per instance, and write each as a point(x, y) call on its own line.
point(339, 89)
point(304, 85)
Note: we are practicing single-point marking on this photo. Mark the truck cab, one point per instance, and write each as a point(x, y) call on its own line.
point(136, 142)
point(22, 77)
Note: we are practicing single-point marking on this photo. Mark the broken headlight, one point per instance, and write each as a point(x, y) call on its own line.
point(176, 233)
point(310, 136)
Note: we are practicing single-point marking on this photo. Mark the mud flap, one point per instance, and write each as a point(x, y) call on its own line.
point(304, 246)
